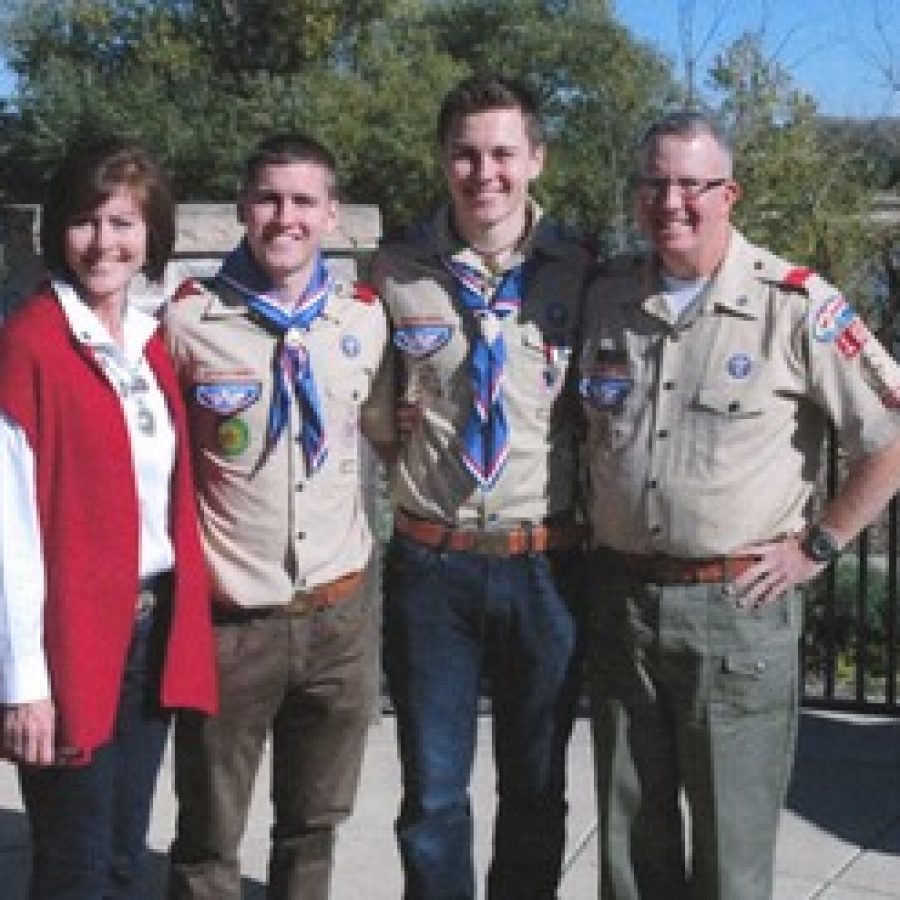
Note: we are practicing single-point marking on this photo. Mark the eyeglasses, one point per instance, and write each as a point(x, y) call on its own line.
point(690, 188)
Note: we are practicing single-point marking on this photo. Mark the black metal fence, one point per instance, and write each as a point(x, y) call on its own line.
point(849, 647)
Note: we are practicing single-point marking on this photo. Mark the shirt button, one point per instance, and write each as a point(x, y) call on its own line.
point(662, 433)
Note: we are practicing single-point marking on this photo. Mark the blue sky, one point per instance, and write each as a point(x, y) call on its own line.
point(831, 47)
point(828, 46)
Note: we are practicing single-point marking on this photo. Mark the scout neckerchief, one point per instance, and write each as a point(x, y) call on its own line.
point(292, 367)
point(486, 435)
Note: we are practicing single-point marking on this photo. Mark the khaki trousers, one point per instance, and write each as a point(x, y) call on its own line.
point(311, 682)
point(695, 711)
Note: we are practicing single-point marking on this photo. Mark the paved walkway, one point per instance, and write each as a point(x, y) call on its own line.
point(839, 839)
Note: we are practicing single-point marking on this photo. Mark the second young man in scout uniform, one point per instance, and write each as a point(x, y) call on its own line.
point(277, 360)
point(484, 301)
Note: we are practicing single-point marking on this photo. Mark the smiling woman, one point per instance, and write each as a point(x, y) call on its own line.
point(104, 617)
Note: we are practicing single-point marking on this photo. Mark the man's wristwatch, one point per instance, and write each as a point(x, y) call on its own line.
point(820, 545)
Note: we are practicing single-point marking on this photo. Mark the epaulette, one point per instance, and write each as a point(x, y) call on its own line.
point(188, 288)
point(364, 292)
point(795, 279)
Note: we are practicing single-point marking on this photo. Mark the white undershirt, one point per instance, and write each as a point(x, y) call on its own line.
point(680, 293)
point(23, 668)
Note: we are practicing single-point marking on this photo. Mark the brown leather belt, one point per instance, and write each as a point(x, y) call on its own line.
point(324, 595)
point(525, 538)
point(303, 602)
point(657, 568)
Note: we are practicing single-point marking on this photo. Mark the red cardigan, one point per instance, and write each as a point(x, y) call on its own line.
point(54, 389)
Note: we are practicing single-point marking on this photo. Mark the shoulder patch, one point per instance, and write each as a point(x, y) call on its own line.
point(364, 292)
point(188, 288)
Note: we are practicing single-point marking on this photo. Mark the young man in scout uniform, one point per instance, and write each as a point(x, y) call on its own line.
point(277, 360)
point(484, 300)
point(709, 373)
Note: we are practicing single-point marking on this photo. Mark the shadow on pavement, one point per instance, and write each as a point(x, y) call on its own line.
point(15, 863)
point(846, 778)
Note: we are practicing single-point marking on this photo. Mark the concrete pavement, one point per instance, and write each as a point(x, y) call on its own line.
point(839, 838)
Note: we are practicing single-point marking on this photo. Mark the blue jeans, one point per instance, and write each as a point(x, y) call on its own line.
point(89, 823)
point(450, 620)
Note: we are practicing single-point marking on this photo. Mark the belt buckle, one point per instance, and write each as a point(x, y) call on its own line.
point(493, 543)
point(146, 602)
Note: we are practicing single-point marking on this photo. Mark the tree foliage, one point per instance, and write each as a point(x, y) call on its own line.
point(806, 191)
point(200, 81)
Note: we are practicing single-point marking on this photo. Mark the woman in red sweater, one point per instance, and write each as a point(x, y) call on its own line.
point(104, 606)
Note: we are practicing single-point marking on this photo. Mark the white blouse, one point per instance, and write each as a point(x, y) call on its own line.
point(23, 668)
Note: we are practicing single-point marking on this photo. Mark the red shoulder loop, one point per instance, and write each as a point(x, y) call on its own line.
point(187, 288)
point(364, 292)
point(796, 278)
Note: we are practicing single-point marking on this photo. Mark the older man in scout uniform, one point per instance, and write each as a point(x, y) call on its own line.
point(277, 360)
point(484, 301)
point(709, 374)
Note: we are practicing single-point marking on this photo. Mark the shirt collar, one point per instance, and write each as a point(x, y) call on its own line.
point(86, 327)
point(728, 288)
point(225, 301)
point(541, 238)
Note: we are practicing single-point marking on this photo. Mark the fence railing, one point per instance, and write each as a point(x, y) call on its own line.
point(849, 647)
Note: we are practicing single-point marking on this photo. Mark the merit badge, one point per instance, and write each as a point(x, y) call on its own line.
point(834, 320)
point(350, 345)
point(739, 365)
point(556, 356)
point(234, 436)
point(422, 340)
point(227, 397)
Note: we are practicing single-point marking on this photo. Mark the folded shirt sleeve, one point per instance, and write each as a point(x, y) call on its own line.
point(23, 666)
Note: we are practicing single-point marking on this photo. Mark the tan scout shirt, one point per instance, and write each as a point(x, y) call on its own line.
point(420, 292)
point(705, 434)
point(270, 531)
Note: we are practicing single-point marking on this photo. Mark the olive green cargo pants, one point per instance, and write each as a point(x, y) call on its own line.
point(695, 710)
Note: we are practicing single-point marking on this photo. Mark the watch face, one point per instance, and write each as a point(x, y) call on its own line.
point(820, 546)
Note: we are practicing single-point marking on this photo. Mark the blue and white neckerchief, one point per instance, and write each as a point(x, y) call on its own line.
point(486, 435)
point(291, 365)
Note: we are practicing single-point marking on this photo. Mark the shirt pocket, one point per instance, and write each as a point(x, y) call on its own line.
point(344, 397)
point(538, 366)
point(724, 424)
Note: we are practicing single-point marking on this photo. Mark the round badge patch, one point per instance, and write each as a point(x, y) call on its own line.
point(350, 345)
point(234, 436)
point(740, 365)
